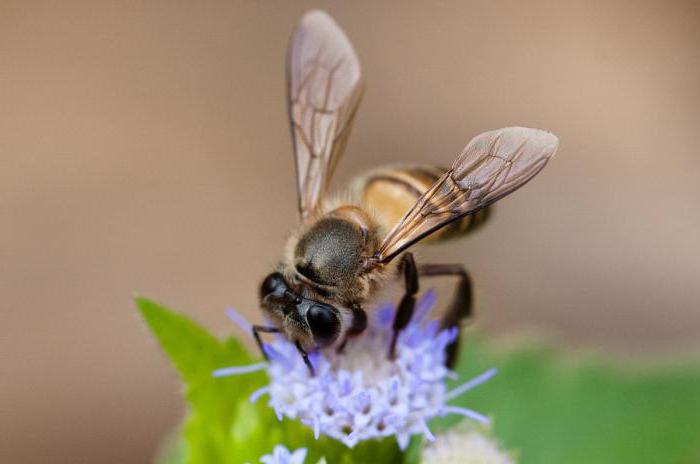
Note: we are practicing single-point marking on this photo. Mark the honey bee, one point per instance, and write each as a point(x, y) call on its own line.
point(343, 252)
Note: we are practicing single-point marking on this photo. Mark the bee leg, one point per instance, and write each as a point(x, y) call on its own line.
point(461, 307)
point(305, 357)
point(341, 347)
point(404, 312)
point(256, 334)
point(359, 324)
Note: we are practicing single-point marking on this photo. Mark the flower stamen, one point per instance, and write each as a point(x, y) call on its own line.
point(255, 396)
point(468, 385)
point(466, 412)
point(237, 370)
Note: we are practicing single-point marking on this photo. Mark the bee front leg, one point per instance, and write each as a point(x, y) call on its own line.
point(305, 357)
point(256, 334)
point(461, 306)
point(404, 312)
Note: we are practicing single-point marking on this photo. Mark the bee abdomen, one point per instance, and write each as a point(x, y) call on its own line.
point(389, 192)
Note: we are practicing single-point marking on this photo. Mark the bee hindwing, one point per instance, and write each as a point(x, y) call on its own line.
point(491, 166)
point(390, 191)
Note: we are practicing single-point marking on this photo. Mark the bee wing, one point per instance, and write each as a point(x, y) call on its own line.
point(491, 166)
point(324, 86)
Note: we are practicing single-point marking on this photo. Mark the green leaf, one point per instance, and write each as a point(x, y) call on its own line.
point(213, 403)
point(412, 454)
point(194, 352)
point(557, 409)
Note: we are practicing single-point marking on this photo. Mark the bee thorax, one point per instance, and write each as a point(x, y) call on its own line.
point(329, 252)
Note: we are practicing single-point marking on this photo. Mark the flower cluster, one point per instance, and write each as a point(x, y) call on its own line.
point(361, 394)
point(464, 445)
point(281, 455)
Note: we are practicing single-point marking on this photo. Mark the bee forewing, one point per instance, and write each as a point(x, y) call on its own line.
point(324, 87)
point(490, 167)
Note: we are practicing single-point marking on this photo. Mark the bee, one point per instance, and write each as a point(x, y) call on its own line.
point(344, 251)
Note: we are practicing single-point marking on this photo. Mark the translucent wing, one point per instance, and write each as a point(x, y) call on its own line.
point(324, 87)
point(491, 166)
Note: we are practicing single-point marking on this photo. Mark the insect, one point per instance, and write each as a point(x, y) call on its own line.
point(342, 252)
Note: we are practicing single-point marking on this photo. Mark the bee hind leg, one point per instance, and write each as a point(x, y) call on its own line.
point(404, 312)
point(461, 306)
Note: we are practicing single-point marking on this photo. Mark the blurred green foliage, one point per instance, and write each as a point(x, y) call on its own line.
point(556, 409)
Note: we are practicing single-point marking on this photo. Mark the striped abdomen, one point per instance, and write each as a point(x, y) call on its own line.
point(389, 192)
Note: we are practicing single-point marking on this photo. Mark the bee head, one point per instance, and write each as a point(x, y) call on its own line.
point(311, 322)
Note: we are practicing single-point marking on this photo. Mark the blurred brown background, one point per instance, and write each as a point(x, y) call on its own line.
point(144, 148)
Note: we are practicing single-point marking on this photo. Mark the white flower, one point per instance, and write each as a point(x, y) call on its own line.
point(464, 446)
point(281, 455)
point(361, 394)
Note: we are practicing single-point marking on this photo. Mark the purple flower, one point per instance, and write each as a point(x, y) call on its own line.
point(281, 455)
point(360, 394)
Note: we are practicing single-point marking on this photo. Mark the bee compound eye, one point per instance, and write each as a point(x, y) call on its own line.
point(323, 322)
point(274, 283)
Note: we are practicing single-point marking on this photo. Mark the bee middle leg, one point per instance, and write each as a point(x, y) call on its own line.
point(404, 312)
point(359, 324)
point(461, 306)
